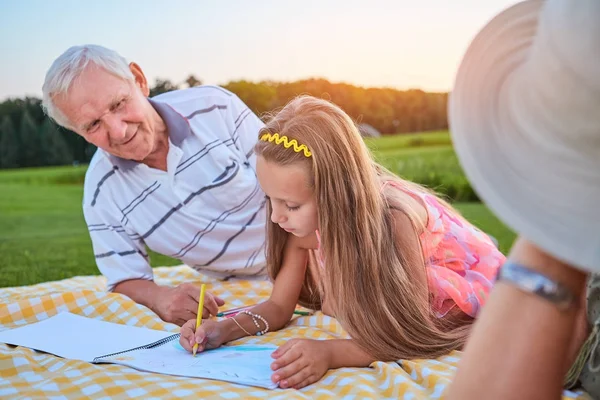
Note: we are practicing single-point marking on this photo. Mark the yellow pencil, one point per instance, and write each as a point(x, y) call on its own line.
point(199, 315)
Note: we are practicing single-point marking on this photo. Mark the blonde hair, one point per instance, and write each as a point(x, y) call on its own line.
point(366, 275)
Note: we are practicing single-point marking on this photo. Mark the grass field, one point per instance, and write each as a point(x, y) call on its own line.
point(43, 234)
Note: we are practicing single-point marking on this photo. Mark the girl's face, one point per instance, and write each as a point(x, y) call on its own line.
point(292, 199)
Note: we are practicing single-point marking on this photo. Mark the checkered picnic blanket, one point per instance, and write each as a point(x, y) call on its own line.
point(25, 373)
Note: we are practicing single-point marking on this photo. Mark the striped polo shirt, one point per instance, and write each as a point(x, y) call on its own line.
point(206, 210)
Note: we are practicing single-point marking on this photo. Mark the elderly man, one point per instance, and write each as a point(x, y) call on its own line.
point(174, 173)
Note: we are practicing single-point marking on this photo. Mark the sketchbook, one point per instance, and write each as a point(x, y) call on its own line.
point(75, 337)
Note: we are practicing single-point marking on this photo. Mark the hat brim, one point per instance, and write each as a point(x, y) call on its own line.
point(527, 189)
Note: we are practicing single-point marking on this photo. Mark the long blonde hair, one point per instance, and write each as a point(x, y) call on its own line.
point(375, 299)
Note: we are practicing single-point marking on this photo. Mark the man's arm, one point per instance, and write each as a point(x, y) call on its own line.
point(125, 264)
point(141, 291)
point(120, 255)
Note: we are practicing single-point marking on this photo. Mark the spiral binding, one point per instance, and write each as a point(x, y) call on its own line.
point(158, 343)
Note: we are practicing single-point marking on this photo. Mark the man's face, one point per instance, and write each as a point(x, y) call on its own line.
point(112, 113)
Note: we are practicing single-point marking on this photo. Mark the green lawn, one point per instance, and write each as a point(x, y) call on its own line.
point(412, 140)
point(43, 234)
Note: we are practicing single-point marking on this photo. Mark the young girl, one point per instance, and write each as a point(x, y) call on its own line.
point(402, 272)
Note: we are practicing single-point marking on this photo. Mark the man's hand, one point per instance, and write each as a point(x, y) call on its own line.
point(172, 304)
point(300, 362)
point(180, 304)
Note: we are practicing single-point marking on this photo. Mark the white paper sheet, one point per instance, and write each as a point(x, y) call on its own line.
point(246, 365)
point(75, 337)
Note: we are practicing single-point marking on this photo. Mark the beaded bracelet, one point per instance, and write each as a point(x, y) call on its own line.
point(255, 318)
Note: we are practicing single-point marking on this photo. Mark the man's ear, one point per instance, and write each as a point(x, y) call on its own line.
point(140, 78)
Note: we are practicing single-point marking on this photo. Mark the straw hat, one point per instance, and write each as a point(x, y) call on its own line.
point(525, 121)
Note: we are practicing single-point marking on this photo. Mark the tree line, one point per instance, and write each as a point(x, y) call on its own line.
point(28, 138)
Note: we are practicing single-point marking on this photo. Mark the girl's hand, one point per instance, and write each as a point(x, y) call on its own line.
point(300, 362)
point(208, 336)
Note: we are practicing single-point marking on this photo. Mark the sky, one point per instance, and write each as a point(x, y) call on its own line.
point(401, 44)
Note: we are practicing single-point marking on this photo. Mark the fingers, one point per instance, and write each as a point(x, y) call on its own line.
point(187, 335)
point(184, 315)
point(284, 362)
point(192, 291)
point(284, 374)
point(189, 301)
point(308, 381)
point(211, 302)
point(294, 365)
point(210, 306)
point(183, 320)
point(185, 343)
point(281, 350)
point(200, 336)
point(219, 300)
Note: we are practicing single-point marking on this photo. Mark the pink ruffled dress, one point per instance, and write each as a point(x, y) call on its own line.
point(461, 261)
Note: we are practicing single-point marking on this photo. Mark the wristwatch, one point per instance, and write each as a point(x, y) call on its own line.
point(534, 282)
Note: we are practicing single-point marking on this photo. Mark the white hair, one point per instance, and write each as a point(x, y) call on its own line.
point(69, 65)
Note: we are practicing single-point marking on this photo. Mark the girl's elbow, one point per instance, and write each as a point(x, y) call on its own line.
point(282, 320)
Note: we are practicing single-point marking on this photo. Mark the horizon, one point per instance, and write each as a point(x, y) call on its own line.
point(398, 45)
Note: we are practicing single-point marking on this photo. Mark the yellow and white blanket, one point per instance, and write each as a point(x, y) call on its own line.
point(25, 373)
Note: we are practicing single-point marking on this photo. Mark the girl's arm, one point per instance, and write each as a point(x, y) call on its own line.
point(277, 310)
point(280, 306)
point(347, 353)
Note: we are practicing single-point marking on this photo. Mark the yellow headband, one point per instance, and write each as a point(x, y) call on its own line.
point(268, 137)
